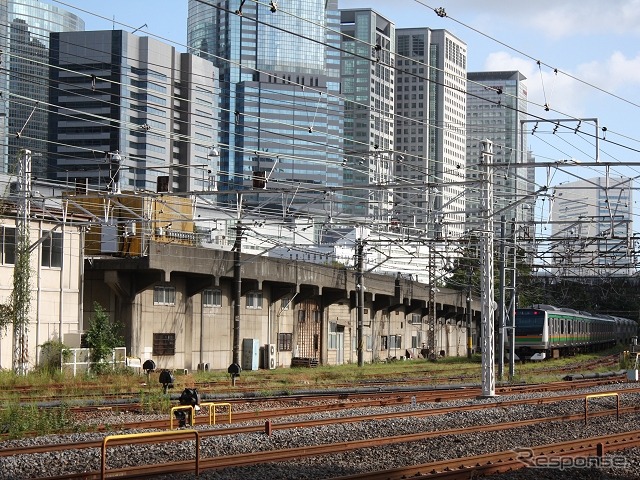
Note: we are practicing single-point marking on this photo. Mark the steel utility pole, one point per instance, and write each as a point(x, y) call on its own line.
point(21, 295)
point(469, 323)
point(513, 304)
point(501, 303)
point(360, 300)
point(486, 286)
point(433, 316)
point(237, 292)
point(234, 368)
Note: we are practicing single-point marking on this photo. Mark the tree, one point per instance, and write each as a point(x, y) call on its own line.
point(102, 338)
point(466, 273)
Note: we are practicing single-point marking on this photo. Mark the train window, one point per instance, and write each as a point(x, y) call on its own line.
point(561, 327)
point(569, 327)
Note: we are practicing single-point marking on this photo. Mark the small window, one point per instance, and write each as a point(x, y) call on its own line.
point(8, 251)
point(333, 336)
point(52, 250)
point(368, 342)
point(164, 295)
point(416, 318)
point(384, 342)
point(211, 298)
point(285, 302)
point(164, 343)
point(254, 300)
point(395, 341)
point(285, 342)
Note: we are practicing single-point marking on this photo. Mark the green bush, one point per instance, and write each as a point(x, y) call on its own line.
point(51, 354)
point(103, 336)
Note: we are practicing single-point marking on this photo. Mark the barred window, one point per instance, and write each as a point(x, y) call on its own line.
point(212, 298)
point(164, 343)
point(285, 342)
point(164, 295)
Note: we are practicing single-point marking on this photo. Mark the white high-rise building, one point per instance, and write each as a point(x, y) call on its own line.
point(430, 130)
point(592, 224)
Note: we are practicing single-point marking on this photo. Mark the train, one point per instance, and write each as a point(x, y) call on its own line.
point(545, 331)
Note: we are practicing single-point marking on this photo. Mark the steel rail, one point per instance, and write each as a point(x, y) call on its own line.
point(270, 414)
point(253, 458)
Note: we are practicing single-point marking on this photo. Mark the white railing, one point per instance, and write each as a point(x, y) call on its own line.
point(77, 360)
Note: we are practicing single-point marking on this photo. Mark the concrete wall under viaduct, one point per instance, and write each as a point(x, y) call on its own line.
point(176, 305)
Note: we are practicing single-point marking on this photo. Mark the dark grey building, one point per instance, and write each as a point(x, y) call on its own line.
point(130, 113)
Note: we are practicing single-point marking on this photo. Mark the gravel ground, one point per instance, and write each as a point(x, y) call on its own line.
point(369, 459)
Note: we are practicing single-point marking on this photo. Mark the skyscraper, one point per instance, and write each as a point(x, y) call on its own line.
point(131, 111)
point(496, 106)
point(24, 40)
point(368, 75)
point(280, 118)
point(592, 224)
point(430, 130)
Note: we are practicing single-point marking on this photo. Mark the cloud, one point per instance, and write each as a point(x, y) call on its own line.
point(617, 73)
point(586, 17)
point(544, 86)
point(573, 93)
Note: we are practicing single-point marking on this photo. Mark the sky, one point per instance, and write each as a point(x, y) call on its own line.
point(581, 58)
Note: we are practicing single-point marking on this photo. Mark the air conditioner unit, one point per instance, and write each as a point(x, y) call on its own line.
point(270, 356)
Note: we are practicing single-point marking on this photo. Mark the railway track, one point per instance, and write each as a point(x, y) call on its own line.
point(457, 468)
point(250, 409)
point(500, 462)
point(243, 417)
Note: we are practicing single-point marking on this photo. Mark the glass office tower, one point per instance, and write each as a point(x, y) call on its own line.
point(496, 108)
point(280, 117)
point(24, 41)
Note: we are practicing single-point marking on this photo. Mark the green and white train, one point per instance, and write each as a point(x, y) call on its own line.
point(553, 332)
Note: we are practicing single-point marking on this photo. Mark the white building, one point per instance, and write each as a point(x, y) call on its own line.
point(56, 281)
point(430, 128)
point(592, 224)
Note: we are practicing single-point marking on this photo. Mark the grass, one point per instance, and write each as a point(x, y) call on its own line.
point(20, 415)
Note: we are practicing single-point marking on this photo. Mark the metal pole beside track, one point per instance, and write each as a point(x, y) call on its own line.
point(486, 286)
